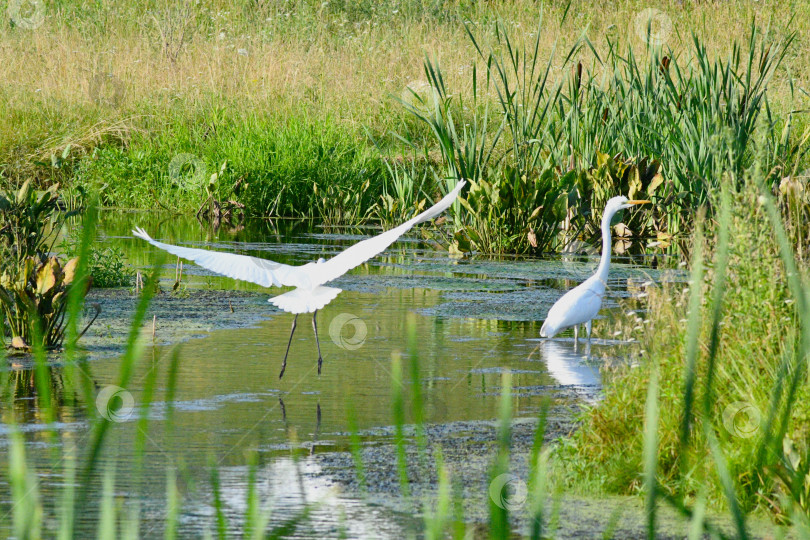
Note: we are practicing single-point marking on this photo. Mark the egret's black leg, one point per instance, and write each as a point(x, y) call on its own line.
point(315, 327)
point(284, 363)
point(283, 411)
point(317, 429)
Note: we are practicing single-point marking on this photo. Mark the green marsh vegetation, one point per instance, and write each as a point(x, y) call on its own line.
point(309, 104)
point(346, 112)
point(34, 283)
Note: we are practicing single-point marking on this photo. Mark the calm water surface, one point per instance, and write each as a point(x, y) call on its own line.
point(474, 318)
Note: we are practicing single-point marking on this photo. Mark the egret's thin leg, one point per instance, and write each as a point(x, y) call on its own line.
point(284, 363)
point(588, 327)
point(576, 334)
point(315, 327)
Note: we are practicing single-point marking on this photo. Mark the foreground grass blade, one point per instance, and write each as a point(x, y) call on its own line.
point(692, 346)
point(398, 406)
point(727, 482)
point(538, 471)
point(436, 521)
point(172, 505)
point(108, 518)
point(355, 446)
point(27, 512)
point(499, 503)
point(222, 522)
point(721, 261)
point(131, 355)
point(651, 453)
point(65, 513)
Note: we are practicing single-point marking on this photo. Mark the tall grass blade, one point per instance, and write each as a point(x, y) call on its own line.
point(721, 262)
point(727, 482)
point(398, 406)
point(651, 453)
point(436, 521)
point(107, 518)
point(67, 500)
point(692, 345)
point(219, 510)
point(131, 355)
point(355, 446)
point(27, 512)
point(172, 505)
point(538, 471)
point(499, 502)
point(696, 527)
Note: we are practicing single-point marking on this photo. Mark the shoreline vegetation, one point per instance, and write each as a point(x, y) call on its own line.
point(348, 112)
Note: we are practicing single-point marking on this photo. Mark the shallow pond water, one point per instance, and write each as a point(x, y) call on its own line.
point(473, 318)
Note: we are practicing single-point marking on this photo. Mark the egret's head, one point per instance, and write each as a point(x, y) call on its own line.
point(620, 203)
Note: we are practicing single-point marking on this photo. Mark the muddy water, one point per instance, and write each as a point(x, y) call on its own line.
point(473, 319)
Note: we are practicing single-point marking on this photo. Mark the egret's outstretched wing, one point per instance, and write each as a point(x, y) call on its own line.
point(363, 251)
point(268, 273)
point(253, 269)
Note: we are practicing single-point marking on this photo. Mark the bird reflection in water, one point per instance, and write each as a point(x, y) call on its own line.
point(291, 433)
point(568, 365)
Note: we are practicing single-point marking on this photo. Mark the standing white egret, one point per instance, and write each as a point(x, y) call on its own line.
point(582, 303)
point(309, 294)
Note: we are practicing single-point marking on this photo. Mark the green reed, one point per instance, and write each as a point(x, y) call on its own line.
point(693, 113)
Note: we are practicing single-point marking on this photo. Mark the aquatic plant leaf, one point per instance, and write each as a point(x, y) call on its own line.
point(70, 270)
point(657, 180)
point(47, 276)
point(22, 193)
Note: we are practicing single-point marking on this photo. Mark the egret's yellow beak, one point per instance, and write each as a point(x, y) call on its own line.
point(638, 202)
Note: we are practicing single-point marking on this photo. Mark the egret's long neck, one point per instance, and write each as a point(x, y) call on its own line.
point(604, 263)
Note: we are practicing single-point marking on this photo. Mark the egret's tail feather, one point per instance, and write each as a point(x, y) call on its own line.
point(140, 233)
point(305, 301)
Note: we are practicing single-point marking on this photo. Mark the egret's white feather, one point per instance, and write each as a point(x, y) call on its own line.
point(577, 306)
point(305, 300)
point(243, 267)
point(308, 277)
point(366, 249)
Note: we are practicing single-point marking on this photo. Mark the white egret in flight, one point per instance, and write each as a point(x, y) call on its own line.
point(582, 303)
point(309, 294)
